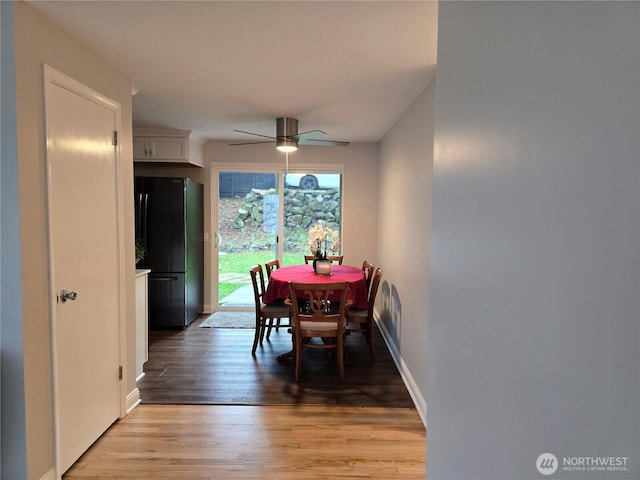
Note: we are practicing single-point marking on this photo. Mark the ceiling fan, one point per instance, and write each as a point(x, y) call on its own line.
point(287, 137)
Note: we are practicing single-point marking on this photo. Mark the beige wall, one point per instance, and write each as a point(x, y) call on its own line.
point(37, 41)
point(404, 234)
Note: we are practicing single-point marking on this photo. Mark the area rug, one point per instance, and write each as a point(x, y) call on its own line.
point(230, 319)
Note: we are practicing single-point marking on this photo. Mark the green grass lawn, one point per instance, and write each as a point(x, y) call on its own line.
point(242, 262)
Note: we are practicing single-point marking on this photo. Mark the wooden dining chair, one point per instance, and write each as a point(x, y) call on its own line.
point(266, 313)
point(312, 316)
point(369, 269)
point(361, 320)
point(270, 266)
point(333, 258)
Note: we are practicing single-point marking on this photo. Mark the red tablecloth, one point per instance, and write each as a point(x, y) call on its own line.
point(278, 287)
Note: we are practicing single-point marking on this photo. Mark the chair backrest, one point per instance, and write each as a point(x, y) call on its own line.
point(314, 306)
point(335, 259)
point(270, 266)
point(369, 269)
point(332, 258)
point(375, 283)
point(257, 279)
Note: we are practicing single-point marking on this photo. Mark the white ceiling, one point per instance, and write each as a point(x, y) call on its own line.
point(348, 68)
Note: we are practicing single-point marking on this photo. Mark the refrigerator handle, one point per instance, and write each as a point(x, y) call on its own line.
point(144, 219)
point(139, 217)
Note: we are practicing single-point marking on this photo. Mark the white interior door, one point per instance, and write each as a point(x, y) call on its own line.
point(83, 237)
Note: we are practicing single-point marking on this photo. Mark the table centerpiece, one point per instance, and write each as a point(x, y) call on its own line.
point(321, 239)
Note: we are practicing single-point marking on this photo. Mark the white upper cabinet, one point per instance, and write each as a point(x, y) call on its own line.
point(160, 148)
point(166, 146)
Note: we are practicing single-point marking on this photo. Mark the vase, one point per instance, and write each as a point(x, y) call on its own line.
point(322, 267)
point(315, 263)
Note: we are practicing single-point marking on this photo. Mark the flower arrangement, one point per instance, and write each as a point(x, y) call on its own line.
point(321, 233)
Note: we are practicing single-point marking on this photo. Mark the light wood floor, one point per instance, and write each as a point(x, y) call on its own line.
point(266, 442)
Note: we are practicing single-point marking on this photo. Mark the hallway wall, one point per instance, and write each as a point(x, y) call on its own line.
point(533, 342)
point(404, 235)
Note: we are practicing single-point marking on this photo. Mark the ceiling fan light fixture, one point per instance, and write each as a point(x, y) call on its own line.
point(287, 146)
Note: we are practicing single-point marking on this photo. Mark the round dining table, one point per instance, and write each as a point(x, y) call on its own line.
point(278, 288)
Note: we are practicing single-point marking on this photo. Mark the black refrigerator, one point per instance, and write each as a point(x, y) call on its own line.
point(170, 225)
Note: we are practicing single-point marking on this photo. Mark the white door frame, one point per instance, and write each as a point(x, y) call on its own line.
point(56, 78)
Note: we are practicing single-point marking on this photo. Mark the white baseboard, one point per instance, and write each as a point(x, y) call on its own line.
point(407, 378)
point(133, 400)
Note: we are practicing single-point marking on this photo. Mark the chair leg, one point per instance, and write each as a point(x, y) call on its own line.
point(263, 328)
point(269, 328)
point(369, 338)
point(340, 352)
point(256, 337)
point(297, 348)
point(275, 325)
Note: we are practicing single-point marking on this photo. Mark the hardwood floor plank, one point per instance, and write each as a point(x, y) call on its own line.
point(250, 442)
point(215, 366)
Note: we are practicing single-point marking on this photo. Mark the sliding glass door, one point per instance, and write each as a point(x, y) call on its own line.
point(250, 224)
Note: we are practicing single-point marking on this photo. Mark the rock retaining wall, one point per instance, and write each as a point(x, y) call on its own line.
point(303, 208)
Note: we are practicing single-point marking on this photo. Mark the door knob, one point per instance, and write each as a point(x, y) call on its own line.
point(67, 295)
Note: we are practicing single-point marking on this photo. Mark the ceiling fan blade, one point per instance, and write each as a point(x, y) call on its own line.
point(313, 141)
point(310, 133)
point(286, 131)
point(252, 143)
point(256, 134)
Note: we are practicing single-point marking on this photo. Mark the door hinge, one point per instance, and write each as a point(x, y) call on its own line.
point(115, 138)
point(120, 372)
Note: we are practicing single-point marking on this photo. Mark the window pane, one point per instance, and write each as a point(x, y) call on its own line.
point(309, 198)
